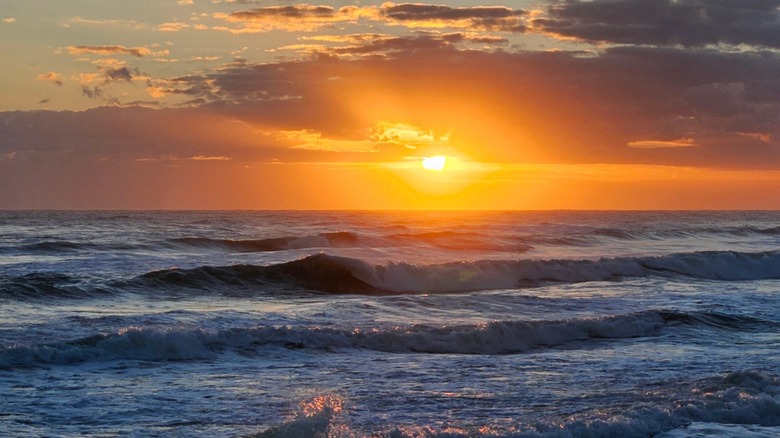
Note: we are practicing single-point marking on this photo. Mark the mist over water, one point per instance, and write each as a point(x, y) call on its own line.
point(397, 324)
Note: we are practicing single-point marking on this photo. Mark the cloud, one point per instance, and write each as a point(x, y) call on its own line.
point(9, 20)
point(690, 23)
point(121, 74)
point(630, 105)
point(109, 50)
point(302, 17)
point(528, 106)
point(53, 77)
point(193, 158)
point(376, 44)
point(307, 18)
point(137, 134)
point(92, 93)
point(184, 2)
point(79, 21)
point(654, 144)
point(172, 26)
point(495, 18)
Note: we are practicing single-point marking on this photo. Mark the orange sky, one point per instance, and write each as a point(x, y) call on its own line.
point(229, 105)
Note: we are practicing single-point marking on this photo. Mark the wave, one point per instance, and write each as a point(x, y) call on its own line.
point(448, 240)
point(159, 343)
point(44, 285)
point(334, 274)
point(339, 239)
point(322, 273)
point(594, 236)
point(67, 246)
point(740, 403)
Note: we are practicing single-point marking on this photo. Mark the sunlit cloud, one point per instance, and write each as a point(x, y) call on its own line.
point(109, 50)
point(9, 20)
point(655, 144)
point(308, 18)
point(53, 77)
point(494, 18)
point(303, 17)
point(80, 21)
point(172, 26)
point(374, 44)
point(192, 158)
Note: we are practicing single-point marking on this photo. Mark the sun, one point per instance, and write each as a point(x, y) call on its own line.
point(436, 162)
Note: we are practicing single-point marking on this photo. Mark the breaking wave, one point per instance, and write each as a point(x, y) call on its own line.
point(161, 343)
point(322, 273)
point(333, 274)
point(740, 403)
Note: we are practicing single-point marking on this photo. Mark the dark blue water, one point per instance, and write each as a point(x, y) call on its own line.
point(390, 324)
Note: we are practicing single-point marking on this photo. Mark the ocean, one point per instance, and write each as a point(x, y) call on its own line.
point(390, 324)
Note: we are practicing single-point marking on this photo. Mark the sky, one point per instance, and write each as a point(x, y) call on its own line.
point(269, 104)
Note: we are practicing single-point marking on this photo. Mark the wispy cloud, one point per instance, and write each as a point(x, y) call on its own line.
point(80, 21)
point(175, 26)
point(656, 144)
point(9, 20)
point(109, 50)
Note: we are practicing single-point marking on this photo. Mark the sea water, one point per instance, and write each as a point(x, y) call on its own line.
point(390, 324)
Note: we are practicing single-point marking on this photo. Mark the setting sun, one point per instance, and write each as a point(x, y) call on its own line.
point(437, 162)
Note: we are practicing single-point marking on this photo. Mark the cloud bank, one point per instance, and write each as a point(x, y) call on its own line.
point(690, 23)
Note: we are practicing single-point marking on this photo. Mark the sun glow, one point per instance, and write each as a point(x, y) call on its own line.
point(436, 162)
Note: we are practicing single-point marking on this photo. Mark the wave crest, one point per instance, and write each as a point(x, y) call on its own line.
point(332, 274)
point(494, 338)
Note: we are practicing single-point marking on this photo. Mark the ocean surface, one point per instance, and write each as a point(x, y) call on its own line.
point(390, 324)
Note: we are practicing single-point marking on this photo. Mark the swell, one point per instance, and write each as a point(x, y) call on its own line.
point(494, 338)
point(322, 273)
point(448, 240)
point(45, 285)
point(332, 274)
point(340, 275)
point(339, 239)
point(593, 236)
point(64, 246)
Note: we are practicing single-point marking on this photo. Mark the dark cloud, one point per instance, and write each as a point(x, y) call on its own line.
point(138, 134)
point(633, 104)
point(92, 93)
point(690, 23)
point(556, 106)
point(119, 74)
point(498, 18)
